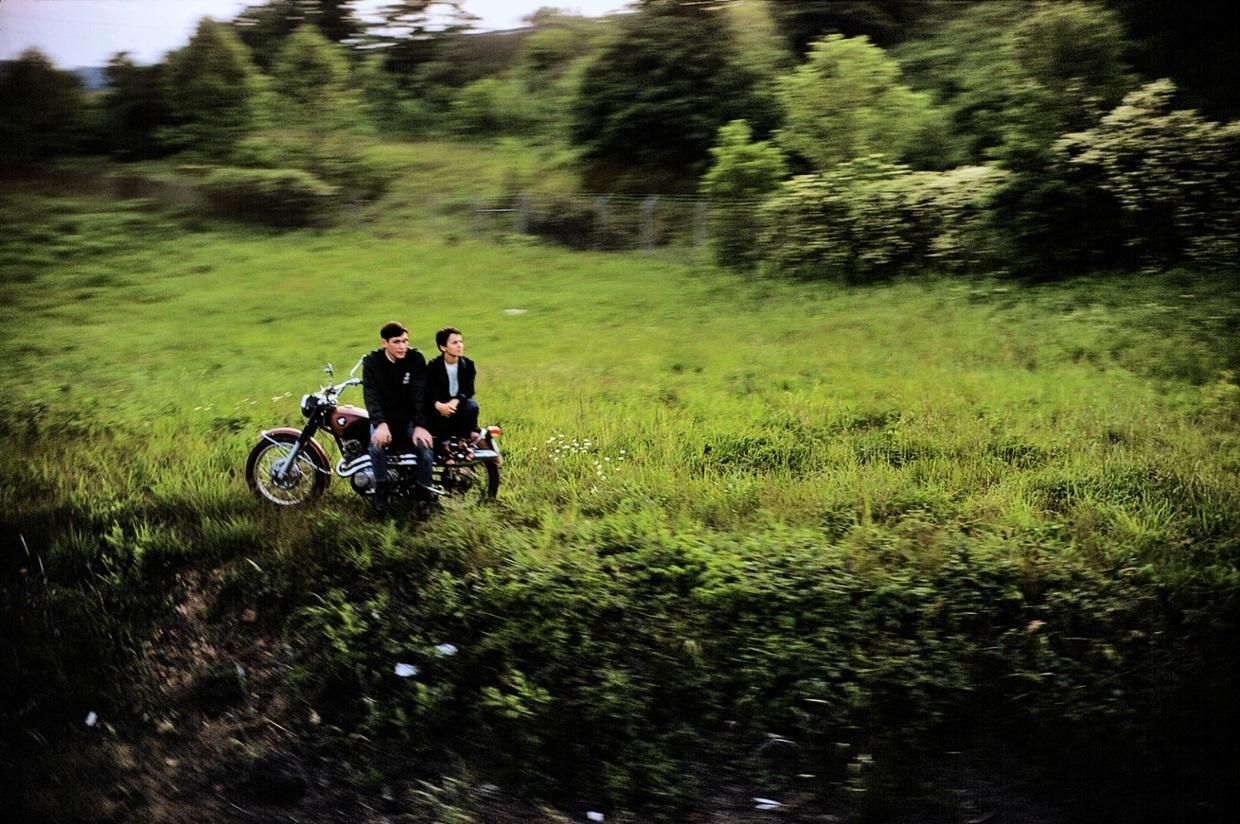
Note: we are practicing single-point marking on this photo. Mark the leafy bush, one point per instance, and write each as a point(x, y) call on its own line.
point(743, 172)
point(492, 105)
point(338, 161)
point(868, 219)
point(1174, 175)
point(846, 101)
point(1148, 185)
point(278, 197)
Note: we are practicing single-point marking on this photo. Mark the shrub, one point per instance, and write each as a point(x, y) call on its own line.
point(743, 172)
point(278, 197)
point(846, 101)
point(1172, 174)
point(868, 219)
point(337, 161)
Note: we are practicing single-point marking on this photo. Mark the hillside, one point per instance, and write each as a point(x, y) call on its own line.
point(930, 550)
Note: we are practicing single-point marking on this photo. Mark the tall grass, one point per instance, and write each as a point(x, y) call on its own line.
point(745, 495)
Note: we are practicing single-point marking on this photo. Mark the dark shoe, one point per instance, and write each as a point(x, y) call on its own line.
point(381, 500)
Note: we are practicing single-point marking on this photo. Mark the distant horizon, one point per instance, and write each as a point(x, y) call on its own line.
point(86, 34)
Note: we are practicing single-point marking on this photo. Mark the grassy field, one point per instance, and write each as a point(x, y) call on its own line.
point(870, 523)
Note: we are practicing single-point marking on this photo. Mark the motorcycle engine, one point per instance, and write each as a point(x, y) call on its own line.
point(363, 481)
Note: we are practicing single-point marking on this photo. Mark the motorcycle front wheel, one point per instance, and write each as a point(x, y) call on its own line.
point(302, 482)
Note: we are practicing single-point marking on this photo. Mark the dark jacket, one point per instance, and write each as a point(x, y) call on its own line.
point(437, 382)
point(395, 392)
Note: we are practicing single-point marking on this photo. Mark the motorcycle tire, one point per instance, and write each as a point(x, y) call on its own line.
point(307, 482)
point(483, 488)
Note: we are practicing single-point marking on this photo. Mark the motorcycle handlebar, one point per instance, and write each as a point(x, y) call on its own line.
point(340, 387)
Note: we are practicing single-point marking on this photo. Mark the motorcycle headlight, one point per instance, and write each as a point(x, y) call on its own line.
point(308, 403)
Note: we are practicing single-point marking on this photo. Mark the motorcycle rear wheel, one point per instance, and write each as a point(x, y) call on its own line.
point(304, 482)
point(469, 485)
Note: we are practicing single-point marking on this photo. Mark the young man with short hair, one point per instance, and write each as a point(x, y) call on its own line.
point(451, 411)
point(393, 385)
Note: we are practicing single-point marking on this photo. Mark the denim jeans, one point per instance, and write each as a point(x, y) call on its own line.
point(378, 457)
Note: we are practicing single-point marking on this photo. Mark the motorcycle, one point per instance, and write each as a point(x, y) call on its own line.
point(289, 467)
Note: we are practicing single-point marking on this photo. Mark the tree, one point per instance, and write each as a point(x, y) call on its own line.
point(410, 31)
point(743, 173)
point(1067, 64)
point(43, 110)
point(885, 22)
point(264, 28)
point(135, 108)
point(846, 101)
point(214, 91)
point(311, 78)
point(963, 61)
point(650, 105)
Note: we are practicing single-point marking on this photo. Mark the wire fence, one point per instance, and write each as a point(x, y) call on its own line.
point(597, 221)
point(585, 221)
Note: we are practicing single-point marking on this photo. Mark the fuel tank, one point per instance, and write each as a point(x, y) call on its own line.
point(351, 422)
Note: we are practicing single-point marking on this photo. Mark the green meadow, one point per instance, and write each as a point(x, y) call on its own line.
point(875, 524)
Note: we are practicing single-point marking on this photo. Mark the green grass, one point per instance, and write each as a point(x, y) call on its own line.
point(746, 493)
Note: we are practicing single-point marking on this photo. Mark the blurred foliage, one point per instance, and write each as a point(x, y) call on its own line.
point(869, 220)
point(311, 79)
point(742, 172)
point(651, 102)
point(846, 101)
point(410, 34)
point(215, 92)
point(265, 27)
point(1067, 68)
point(963, 61)
point(135, 109)
point(885, 22)
point(1174, 175)
point(43, 111)
point(276, 197)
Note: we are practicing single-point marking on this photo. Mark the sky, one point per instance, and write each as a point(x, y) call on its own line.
point(76, 33)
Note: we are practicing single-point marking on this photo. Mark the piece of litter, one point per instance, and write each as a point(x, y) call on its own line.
point(521, 312)
point(766, 804)
point(446, 649)
point(406, 670)
point(91, 718)
point(593, 816)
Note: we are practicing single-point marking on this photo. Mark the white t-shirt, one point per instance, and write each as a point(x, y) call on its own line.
point(453, 385)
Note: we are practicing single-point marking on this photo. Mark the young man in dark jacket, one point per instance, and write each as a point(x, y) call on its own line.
point(451, 410)
point(393, 384)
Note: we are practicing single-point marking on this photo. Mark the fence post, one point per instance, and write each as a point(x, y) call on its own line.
point(699, 226)
point(647, 230)
point(475, 223)
point(520, 220)
point(600, 221)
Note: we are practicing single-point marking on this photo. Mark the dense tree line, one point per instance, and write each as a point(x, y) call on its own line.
point(862, 123)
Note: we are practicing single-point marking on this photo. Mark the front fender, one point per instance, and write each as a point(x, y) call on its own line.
point(280, 432)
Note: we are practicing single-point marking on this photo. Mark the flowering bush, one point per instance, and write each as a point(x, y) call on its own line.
point(870, 219)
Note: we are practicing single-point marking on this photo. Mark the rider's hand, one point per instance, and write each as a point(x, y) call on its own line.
point(382, 435)
point(421, 437)
point(445, 409)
